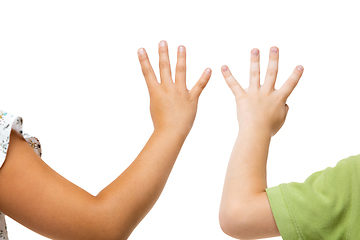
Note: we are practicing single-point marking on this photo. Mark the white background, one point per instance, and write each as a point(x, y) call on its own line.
point(70, 69)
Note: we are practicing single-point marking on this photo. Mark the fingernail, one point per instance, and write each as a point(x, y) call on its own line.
point(274, 50)
point(208, 70)
point(141, 51)
point(300, 68)
point(255, 51)
point(162, 43)
point(181, 48)
point(224, 68)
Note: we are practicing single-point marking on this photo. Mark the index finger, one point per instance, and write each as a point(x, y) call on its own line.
point(146, 68)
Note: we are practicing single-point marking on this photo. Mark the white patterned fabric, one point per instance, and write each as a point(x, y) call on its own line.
point(10, 122)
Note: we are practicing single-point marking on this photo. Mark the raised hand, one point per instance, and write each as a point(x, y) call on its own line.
point(245, 212)
point(173, 107)
point(263, 105)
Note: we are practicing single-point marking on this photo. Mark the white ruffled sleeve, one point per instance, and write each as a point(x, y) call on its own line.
point(10, 122)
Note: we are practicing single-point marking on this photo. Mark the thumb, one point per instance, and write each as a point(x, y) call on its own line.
point(286, 108)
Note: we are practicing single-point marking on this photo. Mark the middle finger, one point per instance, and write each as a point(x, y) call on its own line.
point(254, 70)
point(164, 62)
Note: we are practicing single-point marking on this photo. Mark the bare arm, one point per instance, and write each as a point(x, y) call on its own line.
point(245, 211)
point(39, 198)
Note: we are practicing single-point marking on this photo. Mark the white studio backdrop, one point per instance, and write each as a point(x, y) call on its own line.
point(70, 69)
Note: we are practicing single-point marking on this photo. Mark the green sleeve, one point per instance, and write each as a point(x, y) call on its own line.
point(321, 207)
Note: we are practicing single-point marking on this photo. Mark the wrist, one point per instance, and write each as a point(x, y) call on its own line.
point(173, 132)
point(256, 129)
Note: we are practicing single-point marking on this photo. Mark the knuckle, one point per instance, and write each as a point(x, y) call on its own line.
point(232, 84)
point(146, 71)
point(280, 98)
point(164, 64)
point(163, 50)
point(272, 72)
point(293, 81)
point(202, 84)
point(181, 68)
point(255, 74)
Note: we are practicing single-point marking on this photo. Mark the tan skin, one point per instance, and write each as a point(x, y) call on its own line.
point(245, 212)
point(39, 198)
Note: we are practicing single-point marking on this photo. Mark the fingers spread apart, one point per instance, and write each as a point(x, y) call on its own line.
point(270, 78)
point(164, 63)
point(146, 68)
point(180, 72)
point(254, 69)
point(231, 81)
point(272, 69)
point(165, 71)
point(200, 84)
point(291, 83)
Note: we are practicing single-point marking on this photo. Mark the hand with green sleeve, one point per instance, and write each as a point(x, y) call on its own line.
point(261, 110)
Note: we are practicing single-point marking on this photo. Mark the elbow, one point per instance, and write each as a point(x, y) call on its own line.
point(110, 231)
point(105, 224)
point(234, 221)
point(112, 228)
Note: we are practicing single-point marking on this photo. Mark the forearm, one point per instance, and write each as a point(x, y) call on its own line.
point(39, 198)
point(244, 210)
point(246, 173)
point(139, 186)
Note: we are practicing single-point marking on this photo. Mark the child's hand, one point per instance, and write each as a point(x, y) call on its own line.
point(262, 106)
point(172, 106)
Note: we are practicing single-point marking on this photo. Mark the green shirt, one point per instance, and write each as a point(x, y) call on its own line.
point(325, 206)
